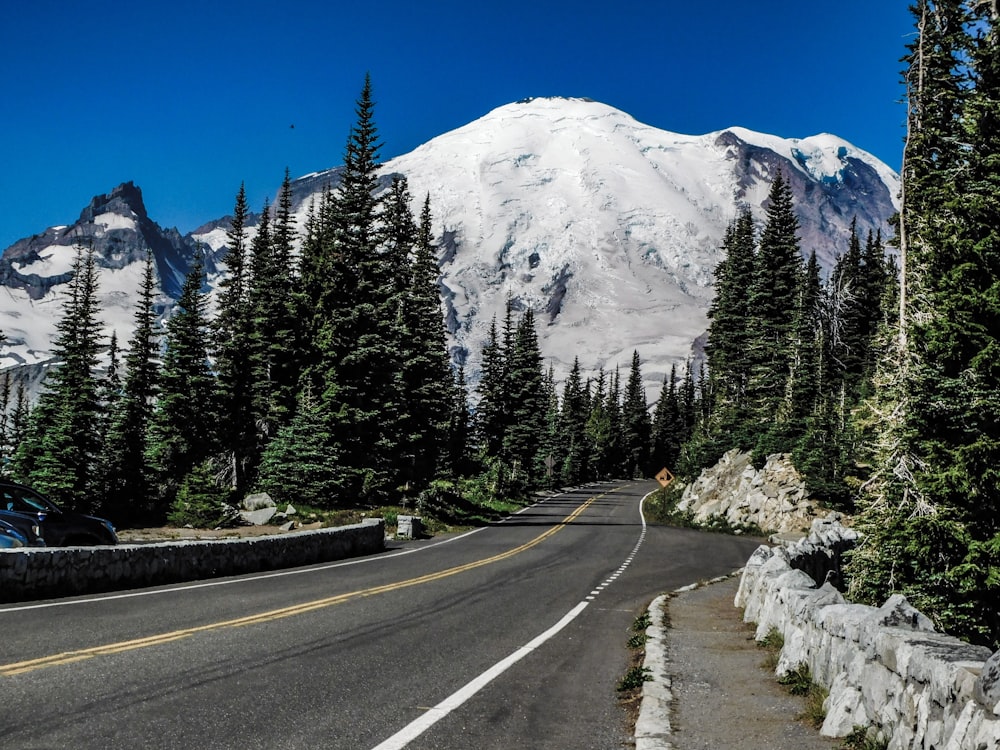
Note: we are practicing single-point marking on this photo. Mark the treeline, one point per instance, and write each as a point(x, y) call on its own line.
point(320, 376)
point(791, 355)
point(531, 434)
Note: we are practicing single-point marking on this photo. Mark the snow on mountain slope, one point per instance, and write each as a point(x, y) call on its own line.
point(607, 228)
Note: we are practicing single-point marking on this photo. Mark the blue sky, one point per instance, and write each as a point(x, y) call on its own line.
point(188, 99)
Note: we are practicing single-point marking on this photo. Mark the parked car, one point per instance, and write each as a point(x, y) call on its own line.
point(10, 537)
point(43, 523)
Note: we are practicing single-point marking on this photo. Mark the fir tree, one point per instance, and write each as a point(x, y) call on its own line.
point(729, 341)
point(930, 513)
point(182, 430)
point(126, 473)
point(298, 466)
point(636, 426)
point(491, 411)
point(59, 450)
point(233, 332)
point(773, 298)
point(429, 391)
point(577, 452)
point(527, 398)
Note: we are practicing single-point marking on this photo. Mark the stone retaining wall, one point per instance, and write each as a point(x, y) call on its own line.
point(36, 573)
point(886, 668)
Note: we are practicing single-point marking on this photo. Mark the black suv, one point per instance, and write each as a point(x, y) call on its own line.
point(44, 524)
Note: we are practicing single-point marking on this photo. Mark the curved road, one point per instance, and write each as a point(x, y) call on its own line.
point(509, 636)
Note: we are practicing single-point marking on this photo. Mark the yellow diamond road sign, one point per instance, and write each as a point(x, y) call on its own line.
point(664, 477)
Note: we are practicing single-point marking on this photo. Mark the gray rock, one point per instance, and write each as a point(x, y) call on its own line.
point(987, 689)
point(258, 517)
point(257, 501)
point(898, 613)
point(290, 510)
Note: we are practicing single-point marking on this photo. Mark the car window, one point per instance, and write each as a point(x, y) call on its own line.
point(21, 500)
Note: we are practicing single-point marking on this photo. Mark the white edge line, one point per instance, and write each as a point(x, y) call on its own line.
point(417, 727)
point(264, 576)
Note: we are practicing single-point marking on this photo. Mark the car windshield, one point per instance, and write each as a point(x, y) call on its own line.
point(23, 500)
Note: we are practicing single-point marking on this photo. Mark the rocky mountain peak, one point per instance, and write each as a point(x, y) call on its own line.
point(124, 200)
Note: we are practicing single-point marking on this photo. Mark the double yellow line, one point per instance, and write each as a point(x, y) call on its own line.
point(68, 657)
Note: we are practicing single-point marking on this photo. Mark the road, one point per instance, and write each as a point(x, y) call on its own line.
point(509, 636)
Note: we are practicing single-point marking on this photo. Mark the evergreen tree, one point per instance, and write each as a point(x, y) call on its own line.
point(460, 459)
point(6, 444)
point(233, 330)
point(182, 430)
point(578, 451)
point(729, 341)
point(931, 514)
point(297, 466)
point(59, 450)
point(491, 411)
point(527, 398)
point(636, 425)
point(359, 340)
point(614, 455)
point(429, 390)
point(773, 297)
point(667, 433)
point(125, 470)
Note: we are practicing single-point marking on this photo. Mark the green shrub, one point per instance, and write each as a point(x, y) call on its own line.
point(200, 502)
point(634, 678)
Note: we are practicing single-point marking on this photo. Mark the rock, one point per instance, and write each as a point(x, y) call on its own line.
point(287, 526)
point(290, 510)
point(257, 501)
point(258, 517)
point(898, 613)
point(987, 689)
point(845, 709)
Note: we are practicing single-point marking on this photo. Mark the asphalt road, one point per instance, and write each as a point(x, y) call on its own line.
point(509, 636)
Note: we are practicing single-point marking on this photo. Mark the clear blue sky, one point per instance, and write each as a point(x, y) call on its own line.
point(188, 99)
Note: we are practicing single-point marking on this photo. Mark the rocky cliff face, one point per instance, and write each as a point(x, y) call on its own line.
point(773, 499)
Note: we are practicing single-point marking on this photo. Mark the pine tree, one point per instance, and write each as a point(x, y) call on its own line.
point(126, 472)
point(729, 341)
point(527, 399)
point(233, 336)
point(359, 339)
point(298, 466)
point(459, 458)
point(60, 447)
point(773, 298)
point(182, 430)
point(429, 390)
point(635, 422)
point(578, 451)
point(491, 411)
point(666, 426)
point(930, 513)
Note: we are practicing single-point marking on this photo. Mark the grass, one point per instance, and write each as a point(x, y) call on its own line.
point(633, 679)
point(799, 682)
point(773, 642)
point(864, 738)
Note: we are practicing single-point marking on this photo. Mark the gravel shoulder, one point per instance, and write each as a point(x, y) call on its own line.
point(722, 695)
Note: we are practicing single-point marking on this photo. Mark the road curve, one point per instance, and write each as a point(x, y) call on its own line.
point(509, 636)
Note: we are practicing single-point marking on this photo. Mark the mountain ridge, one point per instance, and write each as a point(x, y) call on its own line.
point(609, 229)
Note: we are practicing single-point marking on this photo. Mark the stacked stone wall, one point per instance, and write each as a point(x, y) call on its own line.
point(886, 668)
point(36, 573)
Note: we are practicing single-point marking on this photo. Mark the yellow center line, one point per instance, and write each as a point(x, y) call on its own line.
point(67, 657)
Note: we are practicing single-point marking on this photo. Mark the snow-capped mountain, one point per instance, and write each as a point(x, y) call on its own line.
point(607, 228)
